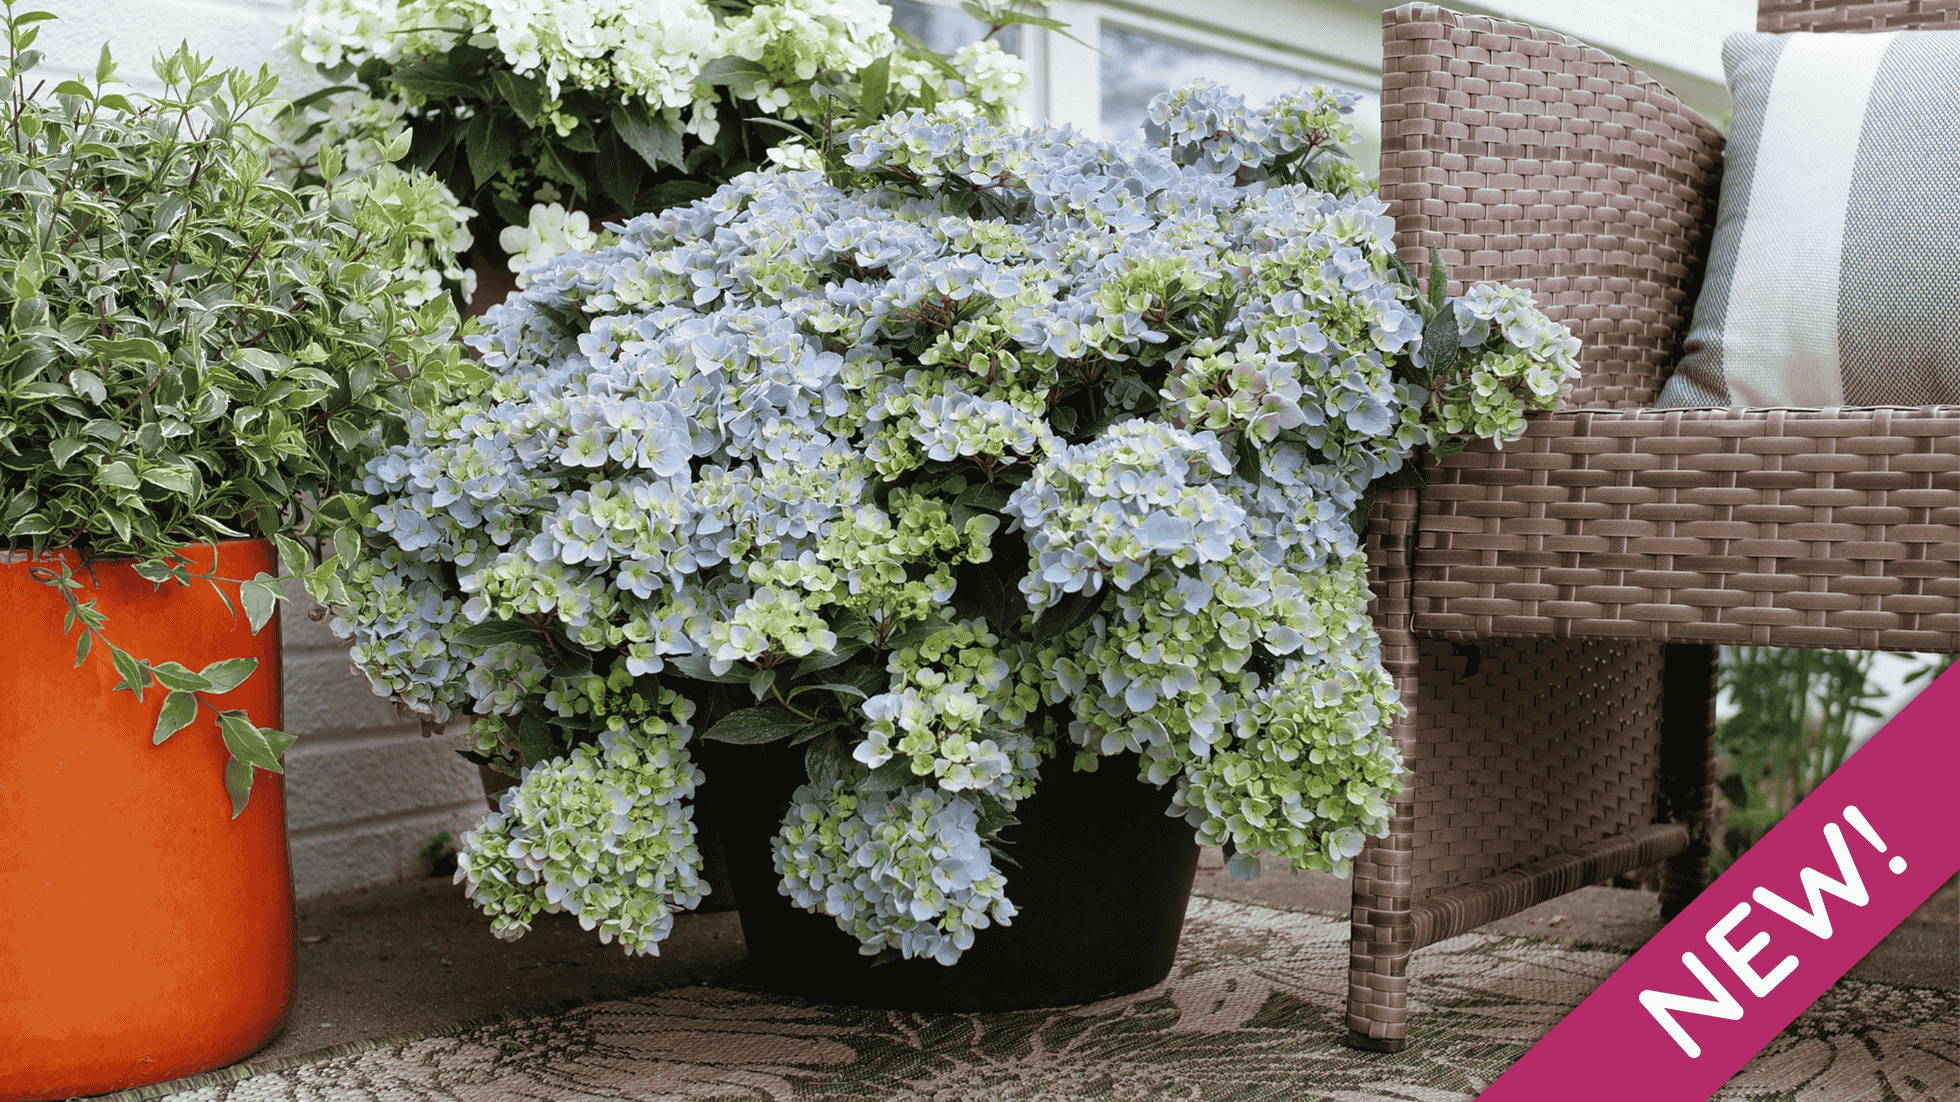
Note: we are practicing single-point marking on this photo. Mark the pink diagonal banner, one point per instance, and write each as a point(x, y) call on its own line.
point(1771, 934)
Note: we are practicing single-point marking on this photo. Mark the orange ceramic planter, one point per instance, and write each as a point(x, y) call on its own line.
point(144, 933)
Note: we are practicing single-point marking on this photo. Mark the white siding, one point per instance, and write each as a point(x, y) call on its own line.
point(365, 791)
point(235, 32)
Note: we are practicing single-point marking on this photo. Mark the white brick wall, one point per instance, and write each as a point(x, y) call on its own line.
point(365, 791)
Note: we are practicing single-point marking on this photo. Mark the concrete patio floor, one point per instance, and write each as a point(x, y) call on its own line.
point(415, 959)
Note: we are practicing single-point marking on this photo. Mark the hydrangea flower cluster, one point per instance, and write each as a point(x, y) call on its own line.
point(1521, 364)
point(957, 711)
point(604, 833)
point(907, 869)
point(620, 105)
point(1007, 442)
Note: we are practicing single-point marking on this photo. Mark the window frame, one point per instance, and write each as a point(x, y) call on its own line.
point(1319, 40)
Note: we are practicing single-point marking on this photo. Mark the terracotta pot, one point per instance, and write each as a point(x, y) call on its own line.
point(1101, 879)
point(145, 934)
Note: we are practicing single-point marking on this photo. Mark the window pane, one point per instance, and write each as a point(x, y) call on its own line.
point(1136, 65)
point(947, 29)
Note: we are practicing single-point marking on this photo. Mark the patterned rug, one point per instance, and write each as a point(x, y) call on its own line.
point(1251, 1013)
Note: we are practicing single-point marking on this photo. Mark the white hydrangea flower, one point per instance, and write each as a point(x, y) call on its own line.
point(795, 156)
point(551, 232)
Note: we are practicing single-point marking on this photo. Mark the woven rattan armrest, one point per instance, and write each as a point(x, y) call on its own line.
point(1806, 528)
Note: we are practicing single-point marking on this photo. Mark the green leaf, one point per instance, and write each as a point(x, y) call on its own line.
point(554, 166)
point(846, 650)
point(816, 730)
point(1440, 343)
point(657, 141)
point(1409, 477)
point(82, 644)
point(229, 674)
point(262, 365)
point(88, 384)
point(317, 97)
point(260, 596)
point(119, 475)
point(984, 592)
point(340, 509)
point(730, 70)
point(122, 349)
point(494, 632)
point(134, 677)
point(754, 726)
point(432, 79)
point(620, 171)
point(33, 524)
point(64, 448)
point(926, 53)
point(42, 390)
point(175, 479)
point(990, 496)
point(1439, 279)
point(1407, 276)
point(874, 86)
point(1072, 612)
point(994, 817)
point(180, 678)
point(489, 147)
point(581, 140)
point(238, 783)
point(1001, 16)
point(252, 744)
point(161, 571)
point(672, 193)
point(524, 94)
point(761, 681)
point(696, 667)
point(292, 554)
point(827, 761)
point(179, 709)
point(534, 741)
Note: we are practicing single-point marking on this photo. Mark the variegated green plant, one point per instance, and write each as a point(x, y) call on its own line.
point(194, 350)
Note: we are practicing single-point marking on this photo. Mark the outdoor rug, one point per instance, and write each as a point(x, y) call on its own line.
point(1252, 1012)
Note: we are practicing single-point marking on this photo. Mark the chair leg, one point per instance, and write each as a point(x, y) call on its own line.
point(1687, 786)
point(1383, 936)
point(1383, 933)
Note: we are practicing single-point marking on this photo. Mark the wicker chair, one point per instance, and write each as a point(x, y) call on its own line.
point(1554, 640)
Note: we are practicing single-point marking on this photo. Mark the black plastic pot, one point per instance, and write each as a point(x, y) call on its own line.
point(1101, 879)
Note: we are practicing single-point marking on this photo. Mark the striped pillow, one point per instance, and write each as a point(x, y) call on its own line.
point(1834, 277)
